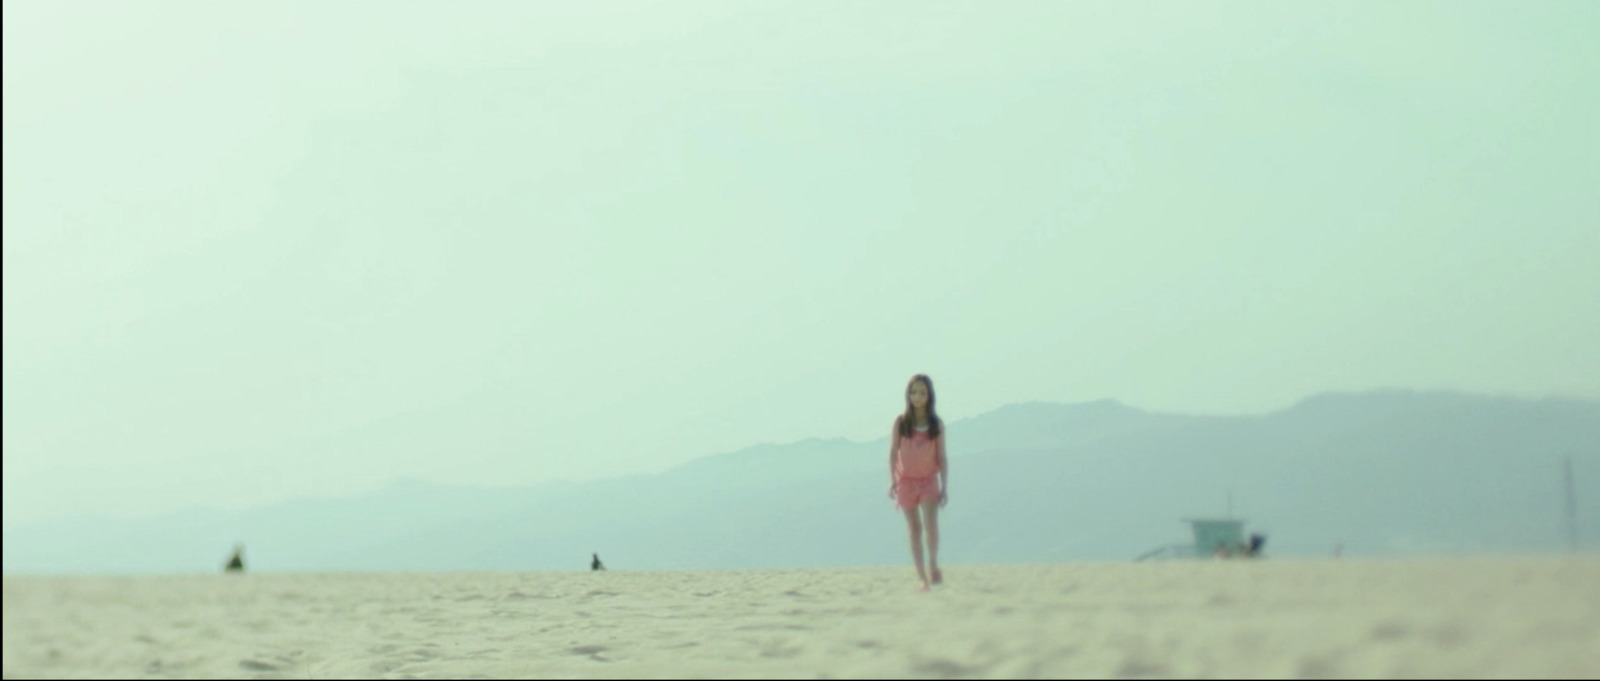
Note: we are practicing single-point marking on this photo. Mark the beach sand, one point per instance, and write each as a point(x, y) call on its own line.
point(1478, 617)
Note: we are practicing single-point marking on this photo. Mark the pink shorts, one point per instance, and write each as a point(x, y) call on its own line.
point(912, 492)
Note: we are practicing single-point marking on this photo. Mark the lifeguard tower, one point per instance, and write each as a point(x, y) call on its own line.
point(1209, 533)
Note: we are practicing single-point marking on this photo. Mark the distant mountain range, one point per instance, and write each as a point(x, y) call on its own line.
point(1388, 473)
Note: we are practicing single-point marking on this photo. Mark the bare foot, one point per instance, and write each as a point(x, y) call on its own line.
point(922, 586)
point(938, 576)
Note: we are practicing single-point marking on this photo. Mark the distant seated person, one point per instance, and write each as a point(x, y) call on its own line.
point(1256, 541)
point(595, 564)
point(1241, 549)
point(236, 562)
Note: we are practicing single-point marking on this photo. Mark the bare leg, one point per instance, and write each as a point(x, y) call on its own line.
point(914, 524)
point(930, 520)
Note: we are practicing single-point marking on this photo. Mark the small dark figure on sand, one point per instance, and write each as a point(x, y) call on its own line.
point(1242, 549)
point(595, 564)
point(1256, 542)
point(236, 562)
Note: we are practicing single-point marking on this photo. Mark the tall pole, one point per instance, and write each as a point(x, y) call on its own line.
point(1572, 509)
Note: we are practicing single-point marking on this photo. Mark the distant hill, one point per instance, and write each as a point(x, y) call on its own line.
point(1386, 473)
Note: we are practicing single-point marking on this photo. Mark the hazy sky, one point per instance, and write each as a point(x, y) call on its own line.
point(256, 250)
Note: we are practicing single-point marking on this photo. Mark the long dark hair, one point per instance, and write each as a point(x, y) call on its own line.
point(909, 419)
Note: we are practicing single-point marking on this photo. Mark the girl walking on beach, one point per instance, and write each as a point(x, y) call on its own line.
point(918, 473)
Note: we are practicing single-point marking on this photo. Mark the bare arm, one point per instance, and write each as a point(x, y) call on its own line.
point(894, 451)
point(944, 469)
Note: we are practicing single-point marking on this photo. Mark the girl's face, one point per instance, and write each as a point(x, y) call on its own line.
point(918, 394)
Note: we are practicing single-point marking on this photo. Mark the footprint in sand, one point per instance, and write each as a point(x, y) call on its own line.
point(257, 666)
point(592, 651)
point(942, 669)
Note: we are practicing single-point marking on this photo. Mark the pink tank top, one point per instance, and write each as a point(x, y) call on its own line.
point(919, 456)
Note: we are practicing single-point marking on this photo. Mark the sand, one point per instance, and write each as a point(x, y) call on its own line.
point(1482, 617)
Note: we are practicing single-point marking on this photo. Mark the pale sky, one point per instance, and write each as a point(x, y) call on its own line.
point(262, 250)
